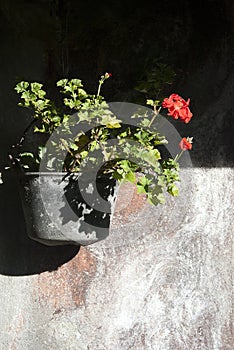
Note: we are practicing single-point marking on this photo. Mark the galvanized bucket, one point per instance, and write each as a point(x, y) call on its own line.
point(67, 209)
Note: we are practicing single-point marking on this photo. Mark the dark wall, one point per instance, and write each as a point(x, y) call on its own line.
point(47, 40)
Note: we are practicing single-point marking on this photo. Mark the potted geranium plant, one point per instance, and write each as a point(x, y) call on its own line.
point(69, 178)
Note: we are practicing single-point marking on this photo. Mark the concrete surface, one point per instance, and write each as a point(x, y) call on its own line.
point(162, 280)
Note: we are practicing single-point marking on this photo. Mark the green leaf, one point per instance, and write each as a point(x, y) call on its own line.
point(82, 93)
point(140, 188)
point(41, 152)
point(77, 82)
point(42, 130)
point(130, 176)
point(117, 176)
point(22, 86)
point(150, 102)
point(27, 154)
point(36, 87)
point(41, 93)
point(156, 196)
point(145, 122)
point(143, 181)
point(113, 125)
point(110, 121)
point(84, 154)
point(41, 104)
point(62, 82)
point(125, 165)
point(173, 190)
point(161, 198)
point(151, 156)
point(50, 163)
point(55, 119)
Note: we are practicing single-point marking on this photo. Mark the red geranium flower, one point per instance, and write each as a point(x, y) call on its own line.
point(108, 75)
point(186, 143)
point(178, 107)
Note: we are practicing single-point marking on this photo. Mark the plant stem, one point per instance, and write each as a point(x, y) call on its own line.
point(102, 147)
point(99, 87)
point(76, 160)
point(156, 112)
point(19, 144)
point(177, 157)
point(65, 146)
point(77, 156)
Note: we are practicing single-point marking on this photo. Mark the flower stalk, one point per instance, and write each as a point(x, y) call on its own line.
point(101, 81)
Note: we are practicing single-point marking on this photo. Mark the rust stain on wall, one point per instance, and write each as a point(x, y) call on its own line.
point(128, 203)
point(66, 288)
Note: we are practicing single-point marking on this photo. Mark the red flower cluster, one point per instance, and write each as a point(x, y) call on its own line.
point(186, 143)
point(178, 107)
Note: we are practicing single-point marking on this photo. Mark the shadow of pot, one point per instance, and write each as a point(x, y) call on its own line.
point(67, 209)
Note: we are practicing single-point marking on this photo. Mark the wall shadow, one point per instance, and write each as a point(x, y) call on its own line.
point(20, 255)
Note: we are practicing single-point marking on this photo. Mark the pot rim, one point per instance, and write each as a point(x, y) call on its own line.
point(58, 174)
point(48, 173)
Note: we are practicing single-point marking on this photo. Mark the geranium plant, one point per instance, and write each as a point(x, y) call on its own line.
point(140, 162)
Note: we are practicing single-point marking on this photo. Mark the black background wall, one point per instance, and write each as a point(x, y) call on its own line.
point(47, 40)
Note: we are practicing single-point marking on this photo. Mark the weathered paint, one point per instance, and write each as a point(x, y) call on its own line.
point(68, 284)
point(162, 280)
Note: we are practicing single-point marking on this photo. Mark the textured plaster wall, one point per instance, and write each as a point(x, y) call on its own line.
point(163, 280)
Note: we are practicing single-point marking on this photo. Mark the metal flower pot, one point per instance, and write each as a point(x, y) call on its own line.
point(67, 209)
